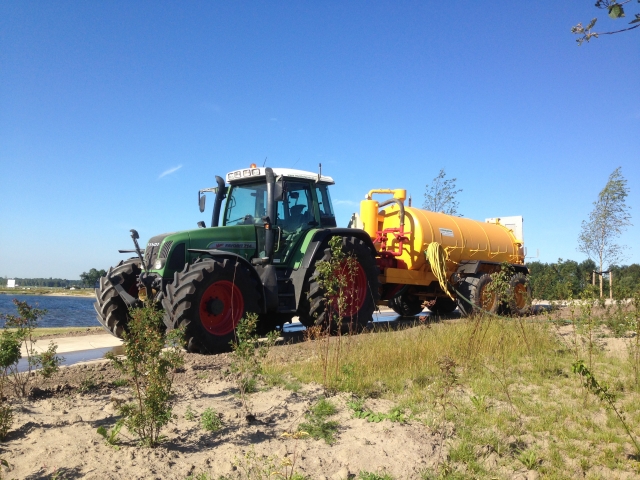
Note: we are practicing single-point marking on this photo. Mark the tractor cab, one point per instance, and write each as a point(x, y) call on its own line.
point(279, 203)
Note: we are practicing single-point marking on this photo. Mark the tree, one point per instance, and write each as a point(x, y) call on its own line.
point(90, 279)
point(615, 10)
point(441, 195)
point(609, 218)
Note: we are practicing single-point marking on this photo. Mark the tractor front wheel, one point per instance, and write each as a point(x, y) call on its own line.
point(208, 299)
point(113, 313)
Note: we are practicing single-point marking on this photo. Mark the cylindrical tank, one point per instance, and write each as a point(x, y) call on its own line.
point(463, 238)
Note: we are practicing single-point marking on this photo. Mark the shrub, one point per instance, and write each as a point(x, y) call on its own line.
point(17, 333)
point(248, 355)
point(149, 369)
point(210, 420)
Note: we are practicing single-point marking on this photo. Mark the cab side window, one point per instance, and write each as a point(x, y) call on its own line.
point(327, 217)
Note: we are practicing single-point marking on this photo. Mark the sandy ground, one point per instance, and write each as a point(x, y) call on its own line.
point(56, 432)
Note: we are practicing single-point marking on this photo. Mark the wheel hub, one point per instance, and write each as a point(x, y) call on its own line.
point(215, 306)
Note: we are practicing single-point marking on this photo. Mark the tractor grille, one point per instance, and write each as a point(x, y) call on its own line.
point(151, 251)
point(165, 249)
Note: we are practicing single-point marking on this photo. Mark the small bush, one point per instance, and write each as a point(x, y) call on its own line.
point(149, 369)
point(189, 414)
point(248, 355)
point(6, 419)
point(20, 335)
point(210, 420)
point(111, 436)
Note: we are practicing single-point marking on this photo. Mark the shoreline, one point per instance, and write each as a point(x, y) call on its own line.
point(49, 293)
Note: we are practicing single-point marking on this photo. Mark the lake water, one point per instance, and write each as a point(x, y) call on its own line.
point(61, 311)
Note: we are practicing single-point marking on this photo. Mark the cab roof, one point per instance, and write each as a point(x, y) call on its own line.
point(255, 173)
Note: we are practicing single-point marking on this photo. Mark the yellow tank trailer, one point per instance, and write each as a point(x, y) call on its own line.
point(442, 259)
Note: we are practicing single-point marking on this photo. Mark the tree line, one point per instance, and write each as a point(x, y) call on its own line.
point(566, 279)
point(42, 282)
point(87, 279)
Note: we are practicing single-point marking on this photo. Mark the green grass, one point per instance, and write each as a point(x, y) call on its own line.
point(317, 425)
point(512, 393)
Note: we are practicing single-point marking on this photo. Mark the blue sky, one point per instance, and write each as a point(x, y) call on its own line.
point(113, 114)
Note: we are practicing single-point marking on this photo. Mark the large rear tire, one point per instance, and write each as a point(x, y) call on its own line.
point(360, 294)
point(475, 289)
point(208, 298)
point(113, 313)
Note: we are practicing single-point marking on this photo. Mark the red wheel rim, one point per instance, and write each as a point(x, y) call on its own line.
point(354, 288)
point(221, 307)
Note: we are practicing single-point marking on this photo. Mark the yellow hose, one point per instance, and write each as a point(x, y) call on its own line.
point(437, 257)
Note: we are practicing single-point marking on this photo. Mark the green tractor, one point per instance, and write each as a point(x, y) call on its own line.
point(259, 257)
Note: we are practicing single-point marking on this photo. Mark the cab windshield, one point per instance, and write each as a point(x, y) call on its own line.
point(246, 204)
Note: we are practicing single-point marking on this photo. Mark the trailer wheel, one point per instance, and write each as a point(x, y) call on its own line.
point(113, 313)
point(519, 295)
point(406, 305)
point(475, 290)
point(361, 293)
point(443, 306)
point(208, 298)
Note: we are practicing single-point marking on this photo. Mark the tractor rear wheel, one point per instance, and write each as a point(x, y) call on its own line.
point(359, 292)
point(443, 306)
point(113, 313)
point(475, 290)
point(208, 298)
point(406, 305)
point(519, 295)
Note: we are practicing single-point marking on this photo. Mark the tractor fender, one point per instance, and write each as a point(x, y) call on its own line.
point(321, 237)
point(319, 242)
point(252, 270)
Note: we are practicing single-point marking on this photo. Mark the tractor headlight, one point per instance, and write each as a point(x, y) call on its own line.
point(159, 264)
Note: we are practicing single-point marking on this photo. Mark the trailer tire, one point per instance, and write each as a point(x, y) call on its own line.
point(474, 288)
point(208, 298)
point(113, 313)
point(443, 306)
point(406, 305)
point(519, 295)
point(364, 290)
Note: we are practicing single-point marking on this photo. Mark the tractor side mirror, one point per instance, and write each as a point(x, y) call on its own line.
point(278, 191)
point(201, 201)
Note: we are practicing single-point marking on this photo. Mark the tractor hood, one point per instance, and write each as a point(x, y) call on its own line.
point(167, 253)
point(241, 239)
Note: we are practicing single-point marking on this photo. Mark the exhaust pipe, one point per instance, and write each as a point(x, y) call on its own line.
point(220, 194)
point(269, 234)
